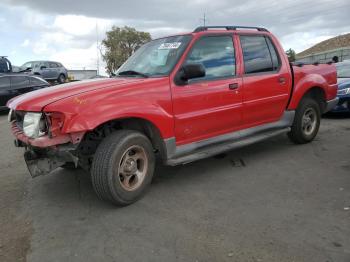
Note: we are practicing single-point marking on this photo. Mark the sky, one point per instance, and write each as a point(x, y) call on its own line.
point(68, 30)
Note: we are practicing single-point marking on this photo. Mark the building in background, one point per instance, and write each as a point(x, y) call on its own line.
point(76, 75)
point(324, 51)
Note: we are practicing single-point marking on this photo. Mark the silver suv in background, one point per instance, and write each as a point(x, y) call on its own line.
point(49, 70)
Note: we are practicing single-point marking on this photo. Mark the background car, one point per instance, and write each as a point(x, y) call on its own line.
point(12, 85)
point(343, 71)
point(49, 70)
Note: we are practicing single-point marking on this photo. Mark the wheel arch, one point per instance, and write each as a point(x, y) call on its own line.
point(316, 92)
point(142, 125)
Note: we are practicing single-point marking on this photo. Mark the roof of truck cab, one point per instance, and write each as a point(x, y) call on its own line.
point(218, 31)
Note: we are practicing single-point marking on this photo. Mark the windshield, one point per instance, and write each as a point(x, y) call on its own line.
point(343, 70)
point(30, 65)
point(156, 58)
point(27, 65)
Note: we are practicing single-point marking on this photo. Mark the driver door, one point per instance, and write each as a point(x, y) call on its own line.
point(212, 105)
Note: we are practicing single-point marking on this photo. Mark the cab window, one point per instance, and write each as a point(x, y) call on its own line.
point(259, 54)
point(216, 54)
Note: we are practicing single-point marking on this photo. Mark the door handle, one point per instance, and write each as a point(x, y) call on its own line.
point(233, 86)
point(282, 80)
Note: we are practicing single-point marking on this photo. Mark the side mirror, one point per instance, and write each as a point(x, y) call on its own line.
point(42, 67)
point(189, 71)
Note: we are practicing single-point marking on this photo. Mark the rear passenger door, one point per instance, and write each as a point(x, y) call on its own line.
point(45, 70)
point(266, 83)
point(54, 70)
point(20, 85)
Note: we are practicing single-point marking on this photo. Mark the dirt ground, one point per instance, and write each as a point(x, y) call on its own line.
point(272, 201)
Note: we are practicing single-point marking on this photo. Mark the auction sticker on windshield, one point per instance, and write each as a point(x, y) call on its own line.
point(174, 45)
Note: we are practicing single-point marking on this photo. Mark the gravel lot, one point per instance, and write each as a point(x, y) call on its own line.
point(273, 201)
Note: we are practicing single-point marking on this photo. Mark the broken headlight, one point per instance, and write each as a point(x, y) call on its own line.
point(34, 125)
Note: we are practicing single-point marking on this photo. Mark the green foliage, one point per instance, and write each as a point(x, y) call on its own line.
point(120, 43)
point(291, 55)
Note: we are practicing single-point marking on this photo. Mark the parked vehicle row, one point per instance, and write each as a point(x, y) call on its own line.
point(179, 98)
point(343, 70)
point(12, 85)
point(48, 70)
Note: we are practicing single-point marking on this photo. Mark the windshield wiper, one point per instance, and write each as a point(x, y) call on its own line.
point(132, 72)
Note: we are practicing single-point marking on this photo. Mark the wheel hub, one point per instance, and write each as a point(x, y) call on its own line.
point(132, 168)
point(309, 121)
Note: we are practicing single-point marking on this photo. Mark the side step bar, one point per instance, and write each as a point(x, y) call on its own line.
point(223, 147)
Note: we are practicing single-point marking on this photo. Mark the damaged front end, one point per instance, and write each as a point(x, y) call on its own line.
point(43, 161)
point(46, 148)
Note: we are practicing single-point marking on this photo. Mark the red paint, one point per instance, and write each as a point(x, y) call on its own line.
point(189, 113)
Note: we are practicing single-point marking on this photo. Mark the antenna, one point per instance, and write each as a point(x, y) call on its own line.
point(204, 19)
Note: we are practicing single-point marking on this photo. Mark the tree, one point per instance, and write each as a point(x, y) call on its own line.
point(291, 55)
point(120, 43)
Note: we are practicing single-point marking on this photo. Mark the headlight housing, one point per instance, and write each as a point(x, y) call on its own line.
point(344, 92)
point(34, 125)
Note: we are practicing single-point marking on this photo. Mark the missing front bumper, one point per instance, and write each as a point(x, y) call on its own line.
point(43, 163)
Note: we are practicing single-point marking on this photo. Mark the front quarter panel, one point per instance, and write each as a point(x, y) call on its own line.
point(149, 100)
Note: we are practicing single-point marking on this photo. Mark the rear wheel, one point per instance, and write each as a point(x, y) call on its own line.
point(123, 167)
point(61, 79)
point(306, 121)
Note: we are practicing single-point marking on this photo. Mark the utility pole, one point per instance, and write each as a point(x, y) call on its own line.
point(97, 52)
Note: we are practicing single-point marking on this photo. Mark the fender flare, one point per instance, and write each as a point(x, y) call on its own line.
point(305, 85)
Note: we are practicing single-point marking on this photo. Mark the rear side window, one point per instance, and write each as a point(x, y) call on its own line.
point(36, 81)
point(259, 54)
point(53, 65)
point(216, 54)
point(274, 55)
point(19, 82)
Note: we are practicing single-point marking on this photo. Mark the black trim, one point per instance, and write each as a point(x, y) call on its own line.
point(228, 27)
point(293, 81)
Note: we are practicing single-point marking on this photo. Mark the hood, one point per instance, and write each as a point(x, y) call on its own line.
point(35, 101)
point(343, 83)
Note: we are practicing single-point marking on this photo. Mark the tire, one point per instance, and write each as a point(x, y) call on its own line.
point(306, 121)
point(61, 79)
point(123, 167)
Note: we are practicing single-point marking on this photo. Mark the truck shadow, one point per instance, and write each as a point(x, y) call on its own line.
point(340, 115)
point(74, 188)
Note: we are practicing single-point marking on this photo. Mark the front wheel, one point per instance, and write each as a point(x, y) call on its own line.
point(306, 121)
point(123, 167)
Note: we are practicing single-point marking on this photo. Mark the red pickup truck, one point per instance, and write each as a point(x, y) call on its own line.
point(179, 99)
